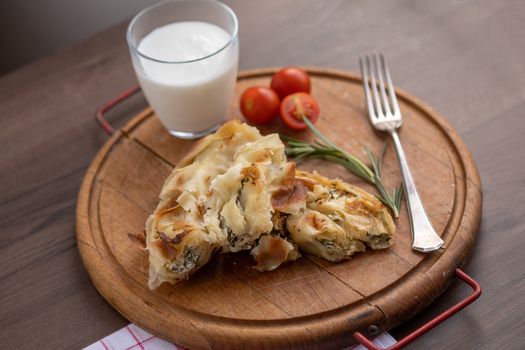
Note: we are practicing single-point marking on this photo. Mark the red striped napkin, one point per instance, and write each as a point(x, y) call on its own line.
point(133, 337)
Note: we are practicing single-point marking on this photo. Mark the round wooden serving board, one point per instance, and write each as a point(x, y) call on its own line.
point(309, 303)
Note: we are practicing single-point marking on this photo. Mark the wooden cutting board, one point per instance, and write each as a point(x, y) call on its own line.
point(309, 303)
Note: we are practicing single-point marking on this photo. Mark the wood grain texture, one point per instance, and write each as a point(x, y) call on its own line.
point(304, 299)
point(462, 57)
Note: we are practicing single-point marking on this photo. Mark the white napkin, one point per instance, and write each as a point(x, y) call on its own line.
point(133, 337)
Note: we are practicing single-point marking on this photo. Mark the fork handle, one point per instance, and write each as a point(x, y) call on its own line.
point(424, 236)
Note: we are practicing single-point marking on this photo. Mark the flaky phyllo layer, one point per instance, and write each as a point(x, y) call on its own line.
point(236, 191)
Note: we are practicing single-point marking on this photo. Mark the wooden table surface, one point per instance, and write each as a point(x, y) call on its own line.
point(465, 58)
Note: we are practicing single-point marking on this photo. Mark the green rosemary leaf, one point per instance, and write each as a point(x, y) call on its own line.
point(399, 195)
point(380, 159)
point(318, 133)
point(372, 161)
point(322, 145)
point(384, 201)
point(287, 138)
point(392, 196)
point(302, 156)
point(381, 189)
point(296, 143)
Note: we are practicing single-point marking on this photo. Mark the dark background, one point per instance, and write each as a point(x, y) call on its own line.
point(30, 29)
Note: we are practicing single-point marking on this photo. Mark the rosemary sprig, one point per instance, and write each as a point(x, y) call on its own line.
point(326, 149)
point(392, 200)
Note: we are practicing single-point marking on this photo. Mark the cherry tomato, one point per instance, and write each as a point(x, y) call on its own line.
point(290, 80)
point(296, 106)
point(259, 105)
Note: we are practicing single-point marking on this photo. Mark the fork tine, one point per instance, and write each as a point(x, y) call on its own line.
point(382, 86)
point(375, 93)
point(391, 90)
point(369, 103)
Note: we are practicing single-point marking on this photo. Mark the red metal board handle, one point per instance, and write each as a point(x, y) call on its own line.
point(100, 117)
point(359, 337)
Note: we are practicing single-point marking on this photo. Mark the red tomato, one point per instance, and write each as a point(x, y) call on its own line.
point(260, 105)
point(296, 106)
point(290, 80)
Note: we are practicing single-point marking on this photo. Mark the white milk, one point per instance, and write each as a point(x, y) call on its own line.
point(190, 96)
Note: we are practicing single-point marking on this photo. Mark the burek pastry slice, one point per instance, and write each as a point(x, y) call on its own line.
point(339, 219)
point(222, 197)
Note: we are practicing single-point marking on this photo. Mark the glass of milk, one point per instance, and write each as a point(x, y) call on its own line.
point(185, 56)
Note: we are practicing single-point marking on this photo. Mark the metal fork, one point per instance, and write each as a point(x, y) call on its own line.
point(385, 115)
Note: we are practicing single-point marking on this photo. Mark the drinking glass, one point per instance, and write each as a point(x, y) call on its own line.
point(190, 96)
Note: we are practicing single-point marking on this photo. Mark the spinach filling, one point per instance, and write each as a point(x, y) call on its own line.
point(189, 262)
